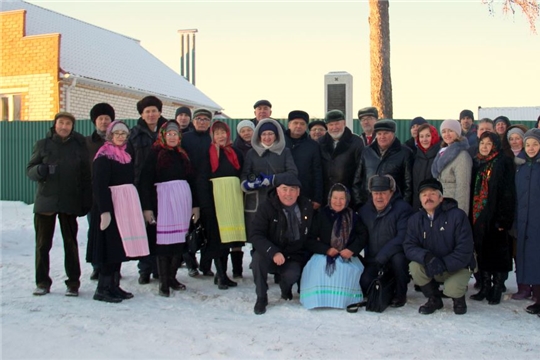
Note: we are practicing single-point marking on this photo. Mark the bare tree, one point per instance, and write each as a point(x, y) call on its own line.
point(530, 9)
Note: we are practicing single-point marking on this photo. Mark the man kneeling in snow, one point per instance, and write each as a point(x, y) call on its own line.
point(278, 235)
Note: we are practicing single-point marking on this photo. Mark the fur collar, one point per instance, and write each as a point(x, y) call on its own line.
point(445, 158)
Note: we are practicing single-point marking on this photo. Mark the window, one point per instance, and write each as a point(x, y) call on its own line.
point(10, 107)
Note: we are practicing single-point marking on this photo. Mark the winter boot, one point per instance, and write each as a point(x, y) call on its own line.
point(478, 277)
point(117, 290)
point(103, 290)
point(431, 291)
point(524, 292)
point(220, 279)
point(163, 263)
point(175, 264)
point(95, 273)
point(224, 260)
point(260, 305)
point(485, 287)
point(460, 306)
point(535, 308)
point(495, 295)
point(237, 258)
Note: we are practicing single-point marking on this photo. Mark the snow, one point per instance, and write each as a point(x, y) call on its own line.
point(206, 323)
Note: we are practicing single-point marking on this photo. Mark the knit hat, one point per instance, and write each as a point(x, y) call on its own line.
point(149, 101)
point(262, 103)
point(299, 114)
point(502, 118)
point(286, 178)
point(101, 109)
point(182, 110)
point(385, 125)
point(172, 125)
point(381, 183)
point(334, 115)
point(201, 111)
point(268, 126)
point(513, 131)
point(453, 125)
point(417, 121)
point(466, 113)
point(368, 111)
point(64, 114)
point(116, 125)
point(245, 123)
point(532, 134)
point(430, 183)
point(317, 122)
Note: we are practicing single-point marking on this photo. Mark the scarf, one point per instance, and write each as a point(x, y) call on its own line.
point(481, 182)
point(446, 155)
point(227, 148)
point(113, 152)
point(341, 231)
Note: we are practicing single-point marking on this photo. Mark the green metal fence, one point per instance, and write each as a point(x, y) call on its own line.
point(17, 139)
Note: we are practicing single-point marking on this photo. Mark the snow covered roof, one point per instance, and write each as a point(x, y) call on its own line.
point(127, 64)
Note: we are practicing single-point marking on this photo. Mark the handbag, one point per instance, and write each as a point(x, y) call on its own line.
point(381, 291)
point(196, 239)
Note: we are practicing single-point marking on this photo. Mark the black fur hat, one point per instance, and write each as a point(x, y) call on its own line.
point(149, 101)
point(101, 109)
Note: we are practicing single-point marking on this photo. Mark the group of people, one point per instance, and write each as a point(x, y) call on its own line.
point(323, 208)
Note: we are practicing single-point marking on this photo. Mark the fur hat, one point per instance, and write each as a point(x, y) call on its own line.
point(385, 125)
point(64, 114)
point(453, 125)
point(430, 183)
point(183, 110)
point(417, 121)
point(317, 122)
point(299, 114)
point(334, 115)
point(466, 113)
point(149, 101)
point(381, 183)
point(262, 103)
point(245, 123)
point(101, 109)
point(368, 111)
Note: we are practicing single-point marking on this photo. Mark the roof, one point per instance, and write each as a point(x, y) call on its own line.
point(530, 113)
point(127, 64)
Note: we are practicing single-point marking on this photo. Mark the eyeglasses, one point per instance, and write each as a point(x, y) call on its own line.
point(120, 134)
point(171, 134)
point(317, 130)
point(202, 119)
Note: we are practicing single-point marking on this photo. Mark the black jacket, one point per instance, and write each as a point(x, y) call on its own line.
point(307, 158)
point(396, 161)
point(196, 144)
point(68, 190)
point(269, 229)
point(93, 143)
point(339, 164)
point(386, 230)
point(421, 170)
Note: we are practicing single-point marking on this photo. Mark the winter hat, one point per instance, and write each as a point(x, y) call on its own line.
point(182, 110)
point(149, 101)
point(172, 125)
point(430, 183)
point(299, 114)
point(532, 134)
point(368, 111)
point(117, 125)
point(417, 121)
point(262, 103)
point(502, 118)
point(64, 114)
point(513, 131)
point(317, 122)
point(466, 113)
point(201, 111)
point(334, 115)
point(101, 109)
point(245, 123)
point(286, 178)
point(381, 183)
point(268, 126)
point(453, 125)
point(385, 125)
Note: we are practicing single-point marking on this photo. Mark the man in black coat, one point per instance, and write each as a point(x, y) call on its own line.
point(183, 118)
point(439, 244)
point(278, 236)
point(368, 116)
point(385, 156)
point(60, 166)
point(307, 157)
point(385, 216)
point(340, 153)
point(140, 141)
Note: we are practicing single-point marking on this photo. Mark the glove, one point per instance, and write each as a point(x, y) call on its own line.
point(105, 220)
point(195, 214)
point(266, 180)
point(252, 185)
point(43, 170)
point(149, 217)
point(434, 265)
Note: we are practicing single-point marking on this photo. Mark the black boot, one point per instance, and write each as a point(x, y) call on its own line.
point(478, 276)
point(534, 308)
point(95, 272)
point(117, 290)
point(230, 283)
point(431, 291)
point(175, 264)
point(495, 295)
point(103, 290)
point(460, 306)
point(164, 263)
point(260, 305)
point(485, 287)
point(237, 258)
point(221, 278)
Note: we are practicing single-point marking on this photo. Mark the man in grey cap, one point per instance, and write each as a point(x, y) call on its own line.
point(368, 116)
point(340, 152)
point(385, 156)
point(262, 110)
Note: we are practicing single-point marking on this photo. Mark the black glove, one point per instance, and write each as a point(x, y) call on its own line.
point(433, 265)
point(43, 170)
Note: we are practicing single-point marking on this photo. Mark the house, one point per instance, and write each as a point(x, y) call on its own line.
point(50, 62)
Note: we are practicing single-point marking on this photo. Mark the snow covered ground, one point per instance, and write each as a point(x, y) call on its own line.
point(206, 323)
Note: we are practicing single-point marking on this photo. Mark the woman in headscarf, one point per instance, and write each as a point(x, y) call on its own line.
point(117, 229)
point(492, 215)
point(221, 203)
point(336, 237)
point(428, 145)
point(167, 193)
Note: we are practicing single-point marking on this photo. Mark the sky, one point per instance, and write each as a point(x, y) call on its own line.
point(445, 55)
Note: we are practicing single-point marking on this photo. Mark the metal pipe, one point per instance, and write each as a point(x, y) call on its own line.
point(193, 60)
